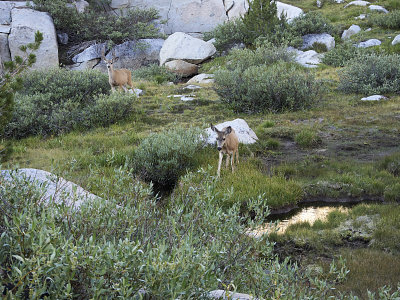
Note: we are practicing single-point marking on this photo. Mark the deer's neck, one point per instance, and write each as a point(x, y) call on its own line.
point(110, 73)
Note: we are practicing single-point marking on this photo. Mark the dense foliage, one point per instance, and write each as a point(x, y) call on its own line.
point(162, 158)
point(125, 247)
point(263, 80)
point(97, 23)
point(342, 53)
point(310, 23)
point(57, 101)
point(156, 73)
point(390, 20)
point(371, 74)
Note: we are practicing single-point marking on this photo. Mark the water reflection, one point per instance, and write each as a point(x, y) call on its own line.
point(307, 214)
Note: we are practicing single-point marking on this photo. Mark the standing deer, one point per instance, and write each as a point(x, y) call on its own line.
point(227, 143)
point(120, 77)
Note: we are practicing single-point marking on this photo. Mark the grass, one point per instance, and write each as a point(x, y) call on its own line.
point(341, 148)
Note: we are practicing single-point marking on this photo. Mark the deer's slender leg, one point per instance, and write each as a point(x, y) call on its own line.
point(221, 155)
point(233, 162)
point(237, 156)
point(112, 88)
point(125, 89)
point(227, 160)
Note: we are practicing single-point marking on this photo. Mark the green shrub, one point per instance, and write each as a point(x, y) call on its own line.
point(259, 25)
point(127, 245)
point(391, 164)
point(319, 47)
point(312, 22)
point(58, 101)
point(307, 138)
point(264, 88)
point(98, 24)
point(371, 74)
point(162, 158)
point(390, 20)
point(227, 34)
point(341, 54)
point(156, 73)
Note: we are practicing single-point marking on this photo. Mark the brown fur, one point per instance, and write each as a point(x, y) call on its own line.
point(227, 143)
point(119, 77)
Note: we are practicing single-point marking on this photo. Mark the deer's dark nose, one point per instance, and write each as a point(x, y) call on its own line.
point(219, 148)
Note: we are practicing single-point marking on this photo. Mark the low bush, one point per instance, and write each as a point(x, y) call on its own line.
point(390, 20)
point(156, 73)
point(58, 101)
point(162, 158)
point(98, 24)
point(391, 163)
point(312, 22)
point(341, 54)
point(263, 88)
point(128, 247)
point(307, 138)
point(371, 74)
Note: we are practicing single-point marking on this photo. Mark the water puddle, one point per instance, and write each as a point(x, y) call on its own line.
point(307, 214)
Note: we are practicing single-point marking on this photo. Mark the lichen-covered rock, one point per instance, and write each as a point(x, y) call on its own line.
point(56, 189)
point(369, 43)
point(25, 23)
point(244, 133)
point(185, 47)
point(182, 68)
point(353, 29)
point(396, 40)
point(322, 38)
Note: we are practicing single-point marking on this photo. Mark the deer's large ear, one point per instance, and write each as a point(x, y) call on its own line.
point(102, 55)
point(213, 128)
point(228, 130)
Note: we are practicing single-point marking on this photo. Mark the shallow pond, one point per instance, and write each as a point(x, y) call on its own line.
point(310, 214)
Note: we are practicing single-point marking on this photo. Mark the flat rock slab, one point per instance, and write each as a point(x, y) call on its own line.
point(358, 3)
point(378, 8)
point(374, 98)
point(245, 134)
point(369, 43)
point(308, 59)
point(202, 79)
point(224, 295)
point(55, 189)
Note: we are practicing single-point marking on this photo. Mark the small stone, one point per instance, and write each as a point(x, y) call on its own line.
point(62, 38)
point(378, 8)
point(187, 98)
point(192, 87)
point(361, 17)
point(374, 98)
point(319, 4)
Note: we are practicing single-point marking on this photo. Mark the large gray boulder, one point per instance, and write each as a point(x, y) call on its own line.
point(25, 22)
point(56, 189)
point(89, 53)
point(134, 54)
point(308, 59)
point(288, 10)
point(357, 3)
point(322, 38)
point(185, 47)
point(5, 10)
point(244, 133)
point(182, 68)
point(353, 29)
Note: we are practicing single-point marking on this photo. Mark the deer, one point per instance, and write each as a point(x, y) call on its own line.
point(227, 143)
point(120, 77)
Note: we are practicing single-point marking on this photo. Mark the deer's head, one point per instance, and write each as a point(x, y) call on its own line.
point(109, 62)
point(221, 135)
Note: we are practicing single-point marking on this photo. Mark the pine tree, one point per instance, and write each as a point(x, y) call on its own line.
point(261, 19)
point(10, 82)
